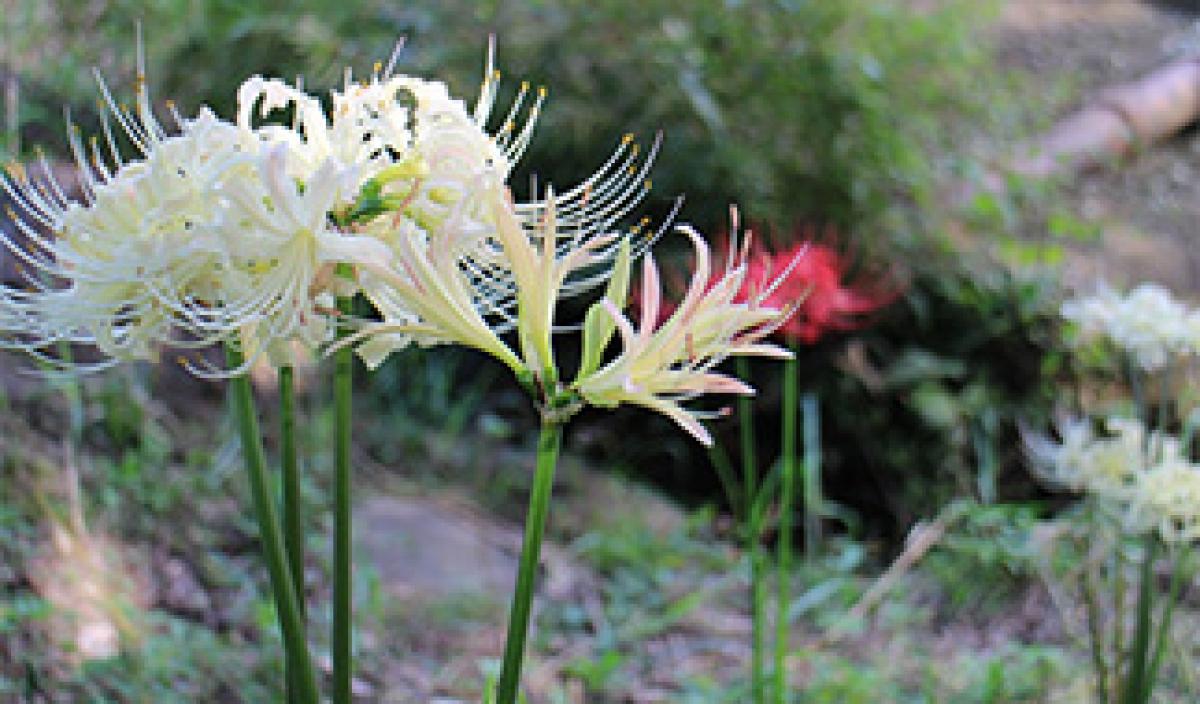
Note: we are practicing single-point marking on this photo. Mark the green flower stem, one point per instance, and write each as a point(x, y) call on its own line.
point(1091, 603)
point(1136, 690)
point(1178, 579)
point(293, 530)
point(752, 529)
point(343, 378)
point(758, 605)
point(784, 563)
point(549, 442)
point(286, 604)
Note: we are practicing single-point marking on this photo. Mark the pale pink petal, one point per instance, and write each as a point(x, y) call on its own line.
point(651, 295)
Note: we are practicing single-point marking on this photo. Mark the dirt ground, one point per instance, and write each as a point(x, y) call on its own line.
point(1145, 206)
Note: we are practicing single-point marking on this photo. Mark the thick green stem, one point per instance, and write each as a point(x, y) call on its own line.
point(549, 442)
point(1135, 691)
point(286, 604)
point(752, 529)
point(293, 530)
point(343, 377)
point(293, 524)
point(787, 490)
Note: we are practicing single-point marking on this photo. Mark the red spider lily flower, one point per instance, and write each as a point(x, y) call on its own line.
point(818, 284)
point(829, 300)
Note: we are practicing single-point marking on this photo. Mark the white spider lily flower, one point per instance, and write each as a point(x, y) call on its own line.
point(452, 166)
point(424, 294)
point(285, 250)
point(663, 366)
point(109, 270)
point(540, 273)
point(1148, 323)
point(1145, 482)
point(204, 237)
point(1168, 500)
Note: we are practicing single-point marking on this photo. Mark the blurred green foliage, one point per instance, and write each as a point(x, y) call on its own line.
point(796, 109)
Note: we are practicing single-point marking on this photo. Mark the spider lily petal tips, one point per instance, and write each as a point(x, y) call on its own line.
point(663, 365)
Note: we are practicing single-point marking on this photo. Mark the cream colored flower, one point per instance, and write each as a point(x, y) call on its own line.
point(662, 367)
point(424, 295)
point(451, 174)
point(112, 270)
point(204, 236)
point(1148, 323)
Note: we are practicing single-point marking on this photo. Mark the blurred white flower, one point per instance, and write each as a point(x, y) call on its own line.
point(1168, 500)
point(1145, 483)
point(1148, 323)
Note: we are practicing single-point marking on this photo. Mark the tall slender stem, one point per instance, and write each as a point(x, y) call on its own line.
point(1091, 602)
point(549, 442)
point(293, 528)
point(343, 377)
point(752, 528)
point(784, 562)
point(1135, 691)
point(286, 603)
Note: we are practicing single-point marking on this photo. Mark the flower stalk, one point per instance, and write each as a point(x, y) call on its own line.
point(753, 537)
point(293, 522)
point(286, 602)
point(343, 380)
point(787, 489)
point(549, 443)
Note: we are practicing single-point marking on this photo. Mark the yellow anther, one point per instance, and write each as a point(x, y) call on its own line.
point(633, 151)
point(507, 126)
point(542, 91)
point(181, 361)
point(627, 138)
point(631, 171)
point(524, 86)
point(377, 67)
point(170, 104)
point(649, 184)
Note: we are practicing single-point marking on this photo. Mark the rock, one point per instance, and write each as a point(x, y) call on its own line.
point(427, 548)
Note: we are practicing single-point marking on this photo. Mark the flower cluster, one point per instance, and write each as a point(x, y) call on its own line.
point(249, 232)
point(1148, 323)
point(1143, 479)
point(216, 231)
